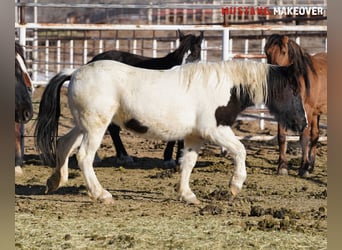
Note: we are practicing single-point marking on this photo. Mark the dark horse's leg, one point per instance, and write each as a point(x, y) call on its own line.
point(121, 152)
point(169, 151)
point(282, 161)
point(168, 154)
point(179, 150)
point(19, 147)
point(308, 166)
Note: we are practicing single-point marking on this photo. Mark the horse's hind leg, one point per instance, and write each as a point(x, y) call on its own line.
point(121, 152)
point(180, 147)
point(224, 137)
point(65, 146)
point(168, 161)
point(187, 162)
point(91, 141)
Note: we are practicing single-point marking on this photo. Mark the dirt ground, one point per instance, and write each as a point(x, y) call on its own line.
point(271, 212)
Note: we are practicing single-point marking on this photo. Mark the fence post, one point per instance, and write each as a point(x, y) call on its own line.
point(85, 51)
point(71, 54)
point(46, 60)
point(22, 29)
point(58, 55)
point(225, 44)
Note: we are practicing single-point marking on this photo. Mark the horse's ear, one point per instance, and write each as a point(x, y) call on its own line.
point(180, 34)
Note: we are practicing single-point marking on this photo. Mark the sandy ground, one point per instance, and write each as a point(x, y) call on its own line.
point(272, 212)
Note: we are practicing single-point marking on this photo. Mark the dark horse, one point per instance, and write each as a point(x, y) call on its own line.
point(23, 104)
point(188, 43)
point(312, 74)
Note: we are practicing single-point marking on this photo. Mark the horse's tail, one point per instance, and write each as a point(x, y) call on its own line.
point(46, 130)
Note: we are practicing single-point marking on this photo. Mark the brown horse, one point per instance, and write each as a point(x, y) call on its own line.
point(312, 74)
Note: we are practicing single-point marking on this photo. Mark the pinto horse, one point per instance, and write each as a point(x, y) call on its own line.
point(188, 43)
point(23, 104)
point(197, 96)
point(312, 74)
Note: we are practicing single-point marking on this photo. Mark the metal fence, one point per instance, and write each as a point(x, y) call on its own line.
point(52, 47)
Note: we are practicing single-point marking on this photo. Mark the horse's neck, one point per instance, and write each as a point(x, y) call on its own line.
point(175, 57)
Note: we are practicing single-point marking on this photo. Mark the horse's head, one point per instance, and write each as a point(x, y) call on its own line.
point(23, 88)
point(282, 51)
point(277, 50)
point(191, 44)
point(284, 99)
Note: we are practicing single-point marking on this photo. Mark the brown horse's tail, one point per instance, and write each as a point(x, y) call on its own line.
point(46, 130)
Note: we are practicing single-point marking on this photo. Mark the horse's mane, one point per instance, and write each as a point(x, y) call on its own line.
point(301, 59)
point(247, 76)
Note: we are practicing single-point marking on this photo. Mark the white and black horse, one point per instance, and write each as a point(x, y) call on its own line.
point(191, 102)
point(23, 104)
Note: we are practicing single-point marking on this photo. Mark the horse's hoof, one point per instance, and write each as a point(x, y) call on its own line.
point(51, 184)
point(18, 171)
point(191, 199)
point(234, 189)
point(303, 173)
point(107, 201)
point(282, 171)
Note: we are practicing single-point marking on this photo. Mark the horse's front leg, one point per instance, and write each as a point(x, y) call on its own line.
point(225, 137)
point(187, 162)
point(85, 156)
point(282, 161)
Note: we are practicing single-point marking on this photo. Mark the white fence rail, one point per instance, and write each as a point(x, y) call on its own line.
point(52, 47)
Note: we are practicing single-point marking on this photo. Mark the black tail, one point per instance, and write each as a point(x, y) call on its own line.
point(46, 130)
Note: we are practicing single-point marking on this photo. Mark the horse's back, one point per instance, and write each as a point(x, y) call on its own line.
point(120, 56)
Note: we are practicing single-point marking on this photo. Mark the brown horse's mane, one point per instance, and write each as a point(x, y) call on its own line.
point(301, 60)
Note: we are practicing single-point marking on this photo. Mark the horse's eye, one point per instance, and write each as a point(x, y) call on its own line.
point(283, 52)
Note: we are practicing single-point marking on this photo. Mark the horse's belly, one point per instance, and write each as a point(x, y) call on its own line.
point(156, 125)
